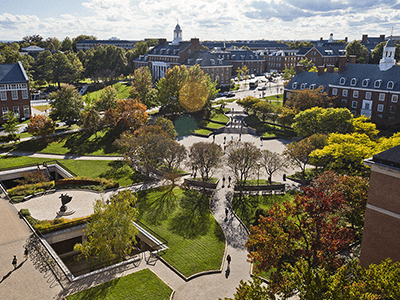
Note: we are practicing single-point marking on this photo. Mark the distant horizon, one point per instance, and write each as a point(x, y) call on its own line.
point(209, 21)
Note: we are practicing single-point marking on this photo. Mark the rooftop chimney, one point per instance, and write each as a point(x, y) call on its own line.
point(299, 68)
point(160, 41)
point(321, 70)
point(364, 38)
point(321, 38)
point(382, 36)
point(195, 41)
point(352, 59)
point(342, 63)
point(330, 68)
point(346, 39)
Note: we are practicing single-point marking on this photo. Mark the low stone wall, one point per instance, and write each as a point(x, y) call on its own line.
point(272, 187)
point(208, 185)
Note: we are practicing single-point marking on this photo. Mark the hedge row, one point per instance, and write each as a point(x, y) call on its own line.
point(30, 189)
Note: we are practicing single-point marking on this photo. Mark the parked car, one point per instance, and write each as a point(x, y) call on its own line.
point(263, 88)
point(230, 94)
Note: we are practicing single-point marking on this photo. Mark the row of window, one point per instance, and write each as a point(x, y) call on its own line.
point(10, 87)
point(365, 83)
point(368, 95)
point(14, 95)
point(368, 106)
point(4, 111)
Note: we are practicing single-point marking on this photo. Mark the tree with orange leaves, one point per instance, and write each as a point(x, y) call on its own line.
point(41, 126)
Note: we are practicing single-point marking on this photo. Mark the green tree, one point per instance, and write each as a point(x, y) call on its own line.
point(323, 120)
point(90, 120)
point(52, 43)
point(358, 49)
point(66, 44)
point(10, 126)
point(141, 86)
point(167, 125)
point(141, 48)
point(272, 162)
point(67, 104)
point(285, 115)
point(306, 63)
point(43, 66)
point(305, 99)
point(377, 53)
point(108, 99)
point(193, 91)
point(80, 38)
point(288, 73)
point(242, 159)
point(264, 108)
point(205, 157)
point(299, 152)
point(41, 126)
point(248, 102)
point(110, 232)
point(168, 88)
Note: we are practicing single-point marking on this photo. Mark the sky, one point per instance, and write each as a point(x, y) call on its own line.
point(204, 19)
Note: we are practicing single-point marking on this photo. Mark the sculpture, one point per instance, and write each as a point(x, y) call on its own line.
point(64, 200)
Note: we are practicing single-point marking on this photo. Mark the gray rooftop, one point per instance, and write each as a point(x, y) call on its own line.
point(390, 157)
point(205, 59)
point(12, 73)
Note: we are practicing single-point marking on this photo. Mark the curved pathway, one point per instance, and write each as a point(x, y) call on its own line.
point(222, 285)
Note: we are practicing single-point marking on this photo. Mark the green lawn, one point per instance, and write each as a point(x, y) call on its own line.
point(116, 170)
point(247, 206)
point(79, 143)
point(220, 118)
point(195, 240)
point(202, 131)
point(122, 91)
point(208, 124)
point(141, 285)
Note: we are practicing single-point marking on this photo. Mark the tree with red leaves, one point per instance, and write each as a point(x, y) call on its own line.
point(297, 240)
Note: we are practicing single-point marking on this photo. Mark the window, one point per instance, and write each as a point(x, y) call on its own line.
point(377, 83)
point(353, 112)
point(2, 87)
point(14, 95)
point(380, 116)
point(26, 111)
point(24, 94)
point(392, 108)
point(390, 85)
point(287, 95)
point(368, 95)
point(355, 94)
point(394, 98)
point(344, 102)
point(380, 108)
point(334, 92)
point(16, 110)
point(344, 93)
point(354, 104)
point(4, 110)
point(365, 82)
point(3, 95)
point(381, 97)
point(342, 81)
point(294, 85)
point(312, 86)
point(353, 82)
point(303, 86)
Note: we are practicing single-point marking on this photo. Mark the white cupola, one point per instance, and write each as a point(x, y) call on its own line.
point(177, 35)
point(331, 39)
point(387, 61)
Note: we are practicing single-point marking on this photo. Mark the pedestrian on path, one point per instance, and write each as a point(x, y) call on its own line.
point(26, 253)
point(228, 259)
point(14, 262)
point(223, 181)
point(226, 212)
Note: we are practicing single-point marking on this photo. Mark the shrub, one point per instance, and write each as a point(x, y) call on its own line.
point(25, 212)
point(30, 189)
point(17, 199)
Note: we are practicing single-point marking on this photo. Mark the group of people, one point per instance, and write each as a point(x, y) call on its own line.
point(15, 260)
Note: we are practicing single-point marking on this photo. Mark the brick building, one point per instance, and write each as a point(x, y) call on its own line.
point(14, 91)
point(382, 218)
point(370, 90)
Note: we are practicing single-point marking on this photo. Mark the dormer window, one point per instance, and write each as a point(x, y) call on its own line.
point(294, 85)
point(353, 82)
point(303, 86)
point(377, 83)
point(390, 85)
point(189, 51)
point(322, 88)
point(312, 86)
point(155, 51)
point(342, 81)
point(365, 82)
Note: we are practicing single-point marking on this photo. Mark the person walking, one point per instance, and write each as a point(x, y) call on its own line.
point(14, 262)
point(26, 253)
point(228, 259)
point(226, 212)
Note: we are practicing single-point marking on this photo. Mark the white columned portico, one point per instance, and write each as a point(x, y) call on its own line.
point(158, 69)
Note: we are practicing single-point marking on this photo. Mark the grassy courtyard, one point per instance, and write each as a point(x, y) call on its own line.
point(195, 240)
point(116, 170)
point(137, 286)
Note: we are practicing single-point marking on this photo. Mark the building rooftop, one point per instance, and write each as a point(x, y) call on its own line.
point(12, 73)
point(390, 157)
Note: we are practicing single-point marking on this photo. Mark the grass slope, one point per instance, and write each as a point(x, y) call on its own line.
point(141, 285)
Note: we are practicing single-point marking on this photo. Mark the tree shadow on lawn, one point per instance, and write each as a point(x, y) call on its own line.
point(119, 169)
point(98, 292)
point(193, 219)
point(245, 207)
point(35, 145)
